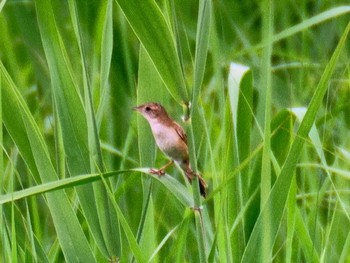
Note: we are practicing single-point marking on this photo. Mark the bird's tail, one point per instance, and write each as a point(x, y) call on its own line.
point(202, 184)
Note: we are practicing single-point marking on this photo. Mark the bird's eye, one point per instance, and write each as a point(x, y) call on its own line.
point(148, 108)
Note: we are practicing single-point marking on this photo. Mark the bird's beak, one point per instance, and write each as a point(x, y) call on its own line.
point(137, 108)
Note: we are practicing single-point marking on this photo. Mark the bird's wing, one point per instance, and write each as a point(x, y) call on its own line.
point(180, 131)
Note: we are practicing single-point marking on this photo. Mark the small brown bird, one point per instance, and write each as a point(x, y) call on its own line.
point(171, 140)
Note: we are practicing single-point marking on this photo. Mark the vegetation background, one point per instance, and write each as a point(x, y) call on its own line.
point(264, 90)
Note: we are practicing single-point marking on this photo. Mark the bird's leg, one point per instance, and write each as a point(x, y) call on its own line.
point(160, 171)
point(190, 174)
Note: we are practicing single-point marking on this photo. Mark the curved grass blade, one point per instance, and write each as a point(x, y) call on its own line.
point(31, 144)
point(107, 217)
point(150, 26)
point(75, 129)
point(175, 187)
point(315, 20)
point(240, 90)
point(277, 199)
point(57, 185)
point(150, 88)
point(135, 248)
point(168, 181)
point(202, 45)
point(161, 244)
point(308, 23)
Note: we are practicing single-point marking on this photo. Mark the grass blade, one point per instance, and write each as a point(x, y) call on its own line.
point(266, 89)
point(150, 88)
point(175, 187)
point(202, 45)
point(150, 26)
point(240, 91)
point(277, 199)
point(315, 20)
point(26, 135)
point(308, 23)
point(72, 117)
point(56, 185)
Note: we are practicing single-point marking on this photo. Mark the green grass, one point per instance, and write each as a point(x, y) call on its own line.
point(262, 89)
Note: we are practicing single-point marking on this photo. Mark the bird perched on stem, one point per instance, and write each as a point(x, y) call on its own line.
point(171, 140)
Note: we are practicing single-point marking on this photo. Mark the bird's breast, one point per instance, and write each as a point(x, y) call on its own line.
point(170, 142)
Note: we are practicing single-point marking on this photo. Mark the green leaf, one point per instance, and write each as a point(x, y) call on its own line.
point(307, 23)
point(315, 20)
point(240, 90)
point(154, 33)
point(175, 187)
point(79, 138)
point(161, 244)
point(277, 199)
point(282, 126)
point(202, 45)
point(56, 185)
point(150, 88)
point(107, 217)
point(27, 136)
point(127, 230)
point(306, 241)
point(148, 238)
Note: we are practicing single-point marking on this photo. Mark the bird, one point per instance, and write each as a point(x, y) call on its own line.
point(171, 139)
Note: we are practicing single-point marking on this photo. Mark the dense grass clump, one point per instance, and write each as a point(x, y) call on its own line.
point(261, 88)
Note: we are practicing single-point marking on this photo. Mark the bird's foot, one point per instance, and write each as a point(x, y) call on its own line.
point(159, 172)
